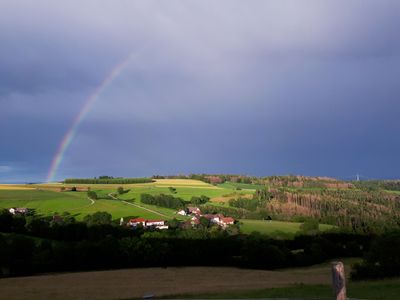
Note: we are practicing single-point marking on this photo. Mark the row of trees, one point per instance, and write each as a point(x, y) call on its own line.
point(107, 180)
point(34, 244)
point(97, 243)
point(163, 200)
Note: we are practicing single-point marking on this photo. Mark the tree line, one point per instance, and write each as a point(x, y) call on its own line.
point(108, 180)
point(163, 200)
point(34, 245)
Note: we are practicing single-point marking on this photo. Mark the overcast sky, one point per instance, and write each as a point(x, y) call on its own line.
point(249, 87)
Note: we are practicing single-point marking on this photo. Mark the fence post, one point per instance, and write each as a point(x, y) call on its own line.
point(339, 280)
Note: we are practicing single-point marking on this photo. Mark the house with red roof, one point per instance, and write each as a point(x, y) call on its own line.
point(135, 222)
point(226, 221)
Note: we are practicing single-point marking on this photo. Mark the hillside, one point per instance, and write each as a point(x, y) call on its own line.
point(364, 207)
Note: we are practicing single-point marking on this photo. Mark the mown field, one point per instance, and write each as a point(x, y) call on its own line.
point(269, 227)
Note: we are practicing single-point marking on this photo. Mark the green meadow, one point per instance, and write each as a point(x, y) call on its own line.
point(388, 289)
point(46, 201)
point(49, 203)
point(273, 227)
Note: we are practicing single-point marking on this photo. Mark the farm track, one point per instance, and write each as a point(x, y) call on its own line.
point(145, 208)
point(138, 206)
point(92, 202)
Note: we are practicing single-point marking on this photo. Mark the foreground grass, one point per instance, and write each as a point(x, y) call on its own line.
point(388, 289)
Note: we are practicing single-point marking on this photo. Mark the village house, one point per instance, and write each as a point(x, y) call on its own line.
point(217, 219)
point(155, 223)
point(226, 221)
point(189, 211)
point(135, 222)
point(182, 212)
point(18, 210)
point(158, 224)
point(194, 210)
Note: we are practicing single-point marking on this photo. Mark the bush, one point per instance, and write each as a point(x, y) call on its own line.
point(92, 195)
point(310, 226)
point(382, 260)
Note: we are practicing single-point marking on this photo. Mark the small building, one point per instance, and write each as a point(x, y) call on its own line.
point(18, 210)
point(226, 221)
point(135, 222)
point(214, 219)
point(182, 212)
point(155, 223)
point(158, 224)
point(193, 210)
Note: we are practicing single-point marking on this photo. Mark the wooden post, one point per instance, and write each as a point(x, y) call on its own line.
point(339, 280)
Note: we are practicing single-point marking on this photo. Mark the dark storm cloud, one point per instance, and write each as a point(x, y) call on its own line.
point(263, 87)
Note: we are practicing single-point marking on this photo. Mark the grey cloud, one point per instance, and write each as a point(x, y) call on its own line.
point(299, 85)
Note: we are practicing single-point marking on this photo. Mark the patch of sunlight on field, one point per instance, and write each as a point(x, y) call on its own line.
point(183, 182)
point(15, 187)
point(225, 198)
point(161, 183)
point(45, 202)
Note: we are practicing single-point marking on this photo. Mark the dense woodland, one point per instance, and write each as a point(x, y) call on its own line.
point(368, 206)
point(32, 244)
point(163, 200)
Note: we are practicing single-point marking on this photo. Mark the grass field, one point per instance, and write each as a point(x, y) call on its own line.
point(48, 201)
point(270, 227)
point(77, 203)
point(388, 289)
point(194, 282)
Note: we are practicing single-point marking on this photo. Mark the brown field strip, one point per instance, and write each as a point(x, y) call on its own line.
point(134, 283)
point(15, 187)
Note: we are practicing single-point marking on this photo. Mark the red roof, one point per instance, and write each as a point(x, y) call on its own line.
point(137, 220)
point(227, 220)
point(209, 216)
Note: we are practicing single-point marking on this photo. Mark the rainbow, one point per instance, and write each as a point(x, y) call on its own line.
point(86, 108)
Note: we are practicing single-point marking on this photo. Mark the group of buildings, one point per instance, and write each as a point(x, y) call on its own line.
point(195, 219)
point(193, 212)
point(196, 215)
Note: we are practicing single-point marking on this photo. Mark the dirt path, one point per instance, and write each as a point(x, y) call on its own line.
point(145, 208)
point(134, 283)
point(92, 202)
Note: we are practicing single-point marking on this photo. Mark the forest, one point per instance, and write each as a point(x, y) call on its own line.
point(30, 245)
